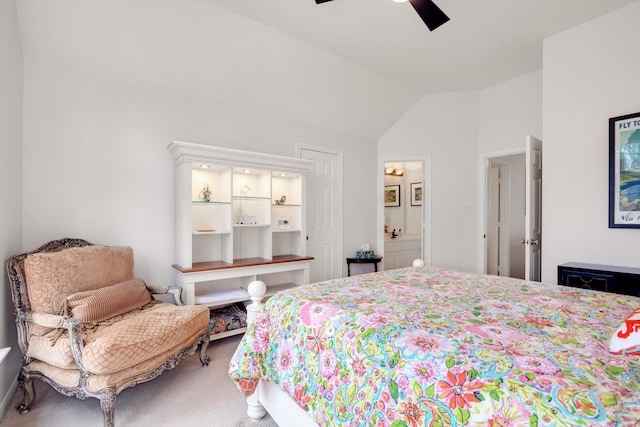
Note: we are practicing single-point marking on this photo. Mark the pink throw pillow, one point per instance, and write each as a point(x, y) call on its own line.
point(107, 302)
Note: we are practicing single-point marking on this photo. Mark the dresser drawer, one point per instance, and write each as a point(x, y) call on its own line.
point(587, 280)
point(606, 278)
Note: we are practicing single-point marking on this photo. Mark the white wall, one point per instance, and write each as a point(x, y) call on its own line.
point(10, 186)
point(96, 159)
point(197, 49)
point(508, 111)
point(456, 129)
point(590, 74)
point(444, 127)
point(98, 121)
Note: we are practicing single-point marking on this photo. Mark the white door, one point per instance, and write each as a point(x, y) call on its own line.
point(324, 213)
point(533, 214)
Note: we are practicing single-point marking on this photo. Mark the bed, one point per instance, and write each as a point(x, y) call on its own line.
point(423, 346)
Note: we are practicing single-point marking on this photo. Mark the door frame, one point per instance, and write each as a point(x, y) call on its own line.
point(533, 200)
point(483, 183)
point(426, 203)
point(337, 152)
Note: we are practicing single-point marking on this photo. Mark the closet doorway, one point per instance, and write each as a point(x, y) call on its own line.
point(505, 216)
point(404, 207)
point(511, 215)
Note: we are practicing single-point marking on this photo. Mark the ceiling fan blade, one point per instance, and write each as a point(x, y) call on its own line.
point(321, 1)
point(431, 14)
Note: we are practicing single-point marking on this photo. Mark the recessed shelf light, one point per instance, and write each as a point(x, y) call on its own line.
point(205, 166)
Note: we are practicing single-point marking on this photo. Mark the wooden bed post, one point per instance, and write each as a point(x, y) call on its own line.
point(257, 289)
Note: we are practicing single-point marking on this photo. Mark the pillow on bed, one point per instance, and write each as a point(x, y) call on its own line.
point(104, 303)
point(626, 339)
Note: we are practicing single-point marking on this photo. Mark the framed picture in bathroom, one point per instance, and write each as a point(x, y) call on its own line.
point(391, 196)
point(416, 194)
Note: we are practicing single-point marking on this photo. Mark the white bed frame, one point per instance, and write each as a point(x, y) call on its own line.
point(269, 397)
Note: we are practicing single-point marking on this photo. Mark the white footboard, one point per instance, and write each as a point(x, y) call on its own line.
point(268, 397)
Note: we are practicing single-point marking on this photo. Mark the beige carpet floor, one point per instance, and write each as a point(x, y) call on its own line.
point(188, 396)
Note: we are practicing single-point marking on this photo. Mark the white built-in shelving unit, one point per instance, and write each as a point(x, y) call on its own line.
point(249, 226)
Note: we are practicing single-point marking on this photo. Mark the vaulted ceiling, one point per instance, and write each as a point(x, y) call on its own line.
point(485, 41)
point(349, 66)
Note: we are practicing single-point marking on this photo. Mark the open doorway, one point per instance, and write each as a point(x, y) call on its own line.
point(403, 215)
point(506, 216)
point(511, 211)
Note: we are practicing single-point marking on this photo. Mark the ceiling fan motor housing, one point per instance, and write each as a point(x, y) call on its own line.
point(428, 11)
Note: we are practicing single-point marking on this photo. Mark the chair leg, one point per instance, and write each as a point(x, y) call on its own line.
point(204, 345)
point(28, 394)
point(108, 405)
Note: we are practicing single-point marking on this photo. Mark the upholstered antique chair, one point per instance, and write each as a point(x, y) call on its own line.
point(89, 328)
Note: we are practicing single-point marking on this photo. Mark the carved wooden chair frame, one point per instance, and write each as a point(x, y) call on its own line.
point(107, 396)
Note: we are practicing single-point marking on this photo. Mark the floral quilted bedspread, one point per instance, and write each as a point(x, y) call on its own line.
point(433, 347)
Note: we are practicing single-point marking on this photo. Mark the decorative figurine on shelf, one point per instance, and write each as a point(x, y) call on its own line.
point(281, 200)
point(247, 220)
point(205, 194)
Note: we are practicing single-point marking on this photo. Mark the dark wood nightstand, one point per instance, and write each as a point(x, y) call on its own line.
point(374, 260)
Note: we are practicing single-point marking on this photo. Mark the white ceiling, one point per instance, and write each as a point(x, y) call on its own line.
point(485, 42)
point(349, 66)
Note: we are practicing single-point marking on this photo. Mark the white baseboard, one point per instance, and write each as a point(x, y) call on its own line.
point(3, 353)
point(6, 400)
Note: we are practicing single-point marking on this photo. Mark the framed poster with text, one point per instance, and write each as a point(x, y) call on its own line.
point(624, 171)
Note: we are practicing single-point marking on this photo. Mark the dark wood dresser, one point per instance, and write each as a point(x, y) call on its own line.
point(607, 278)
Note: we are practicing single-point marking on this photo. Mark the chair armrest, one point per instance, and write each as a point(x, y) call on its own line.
point(72, 326)
point(176, 291)
point(48, 320)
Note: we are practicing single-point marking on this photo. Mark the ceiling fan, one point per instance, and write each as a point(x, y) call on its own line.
point(431, 14)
